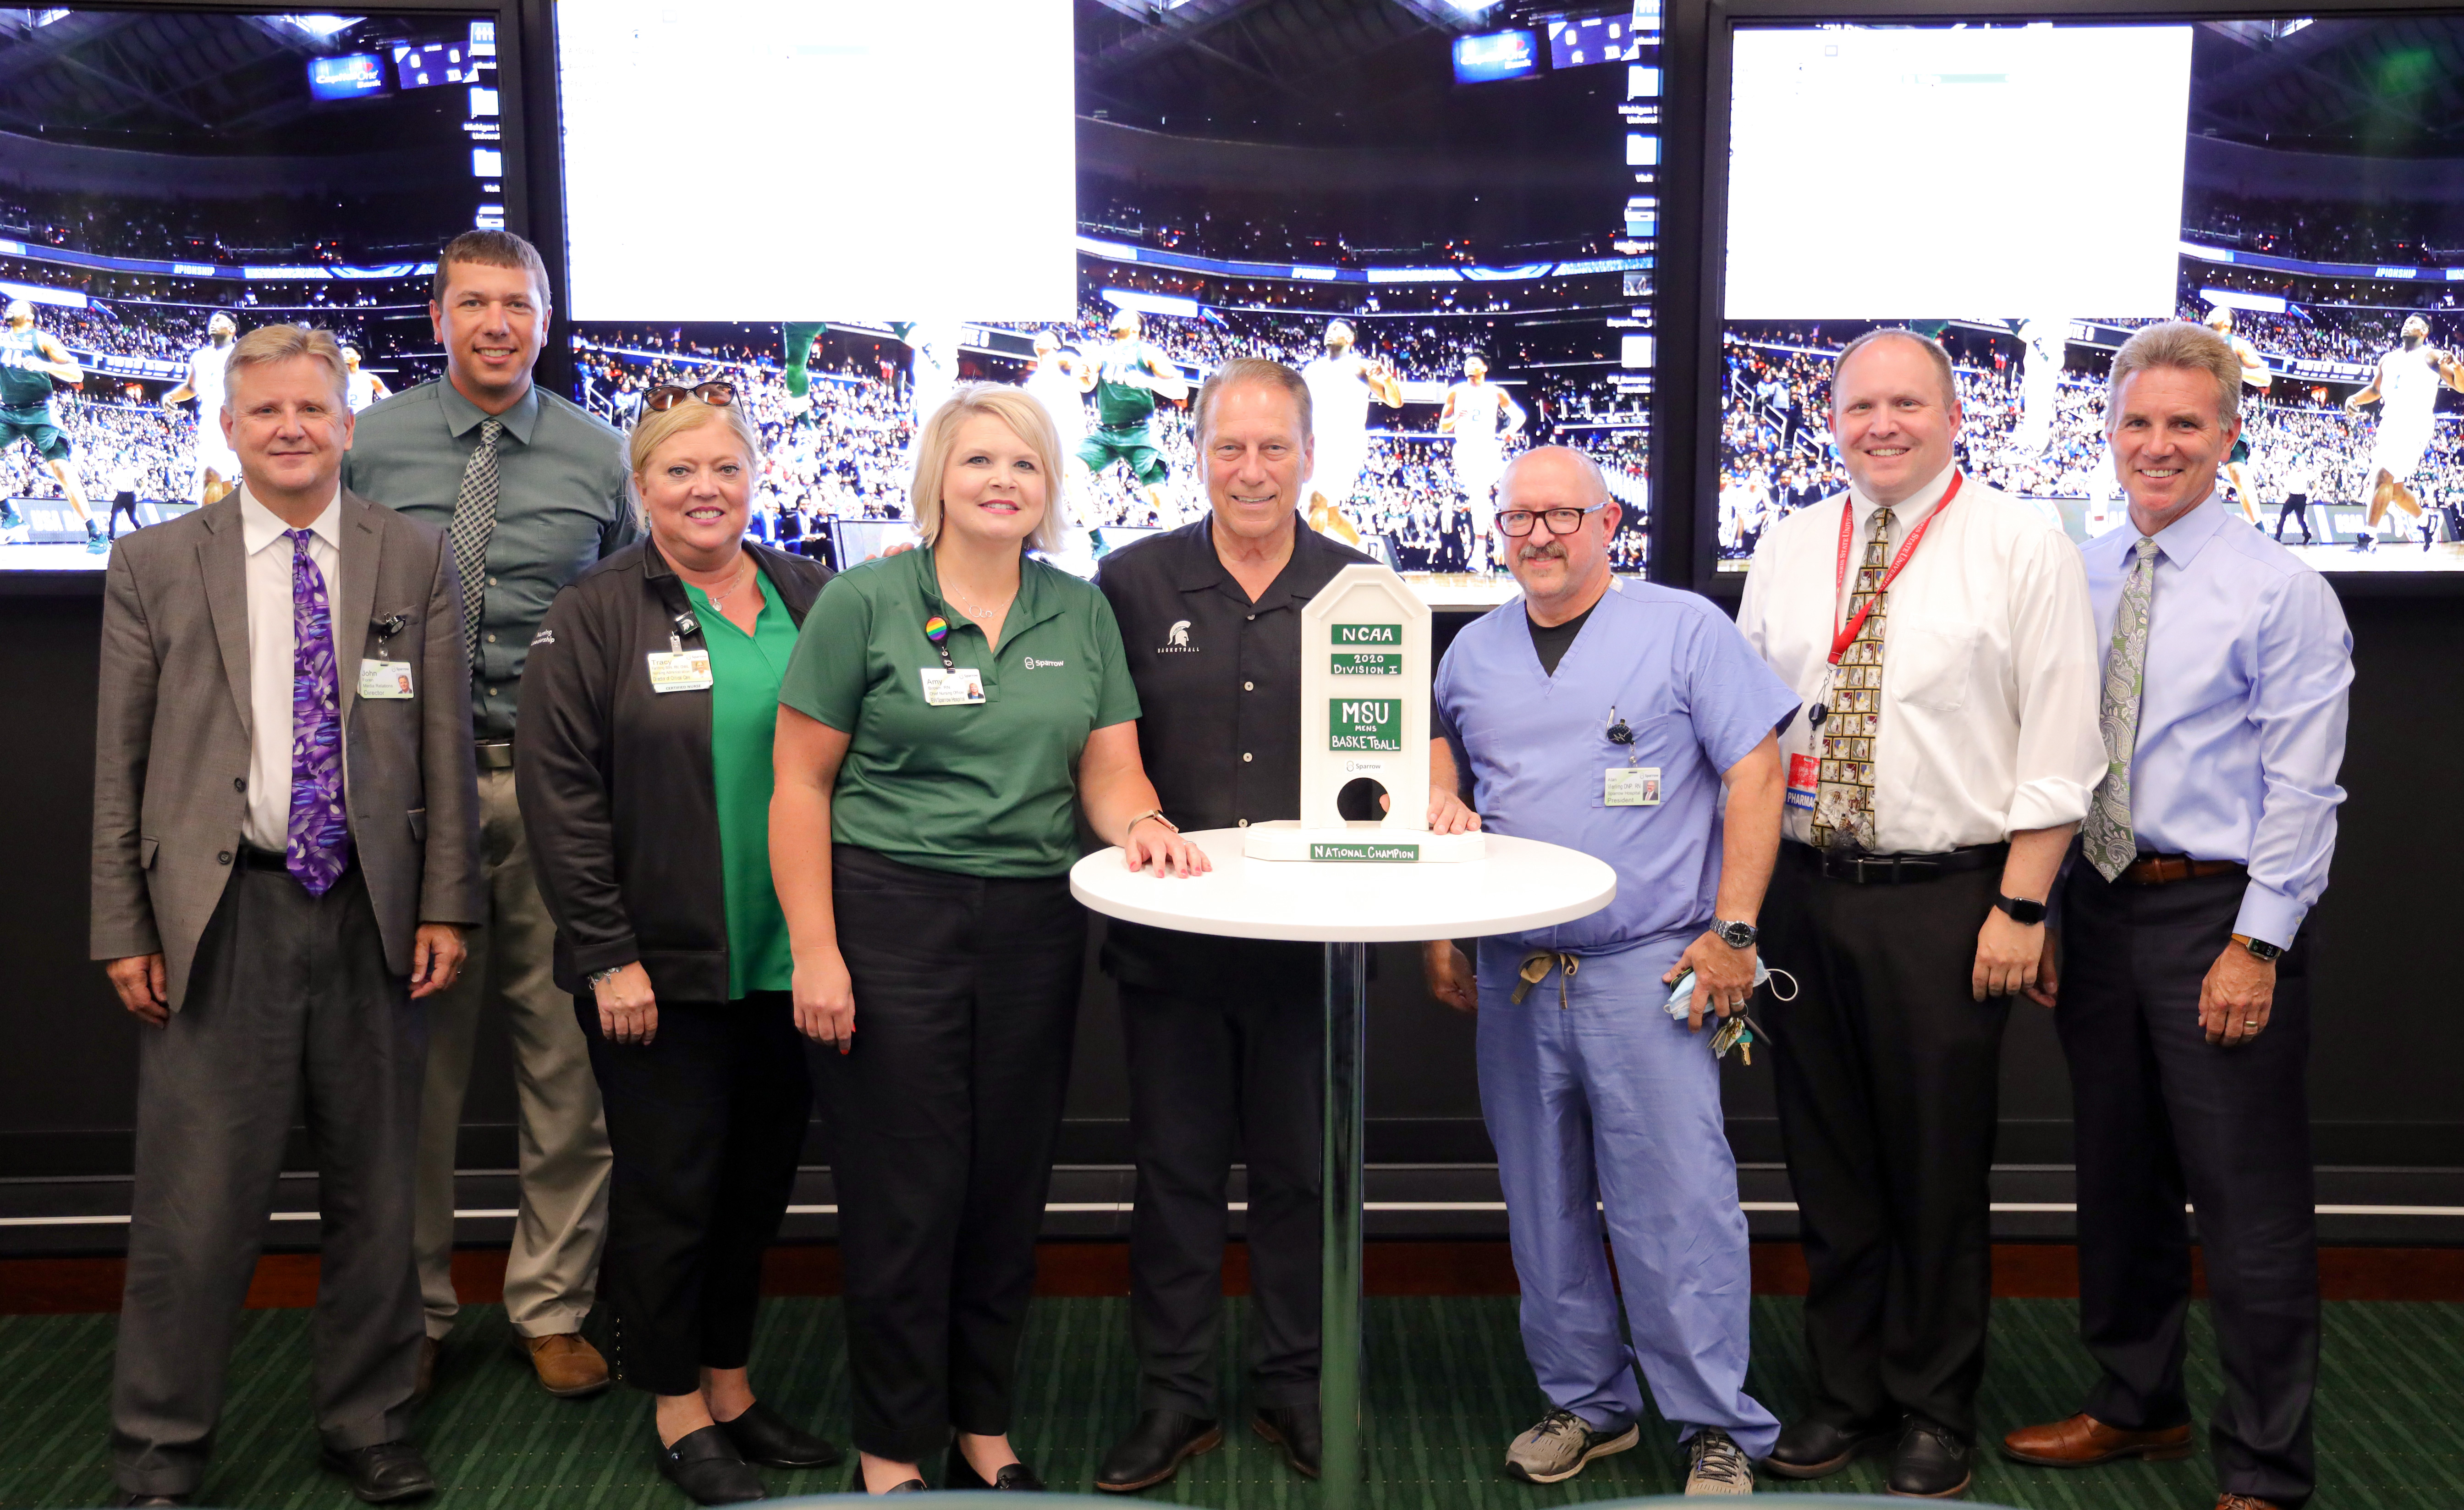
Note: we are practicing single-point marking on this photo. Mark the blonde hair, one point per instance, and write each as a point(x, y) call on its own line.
point(1027, 419)
point(270, 343)
point(658, 426)
point(2177, 343)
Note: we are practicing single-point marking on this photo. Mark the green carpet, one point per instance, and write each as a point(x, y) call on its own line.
point(1448, 1387)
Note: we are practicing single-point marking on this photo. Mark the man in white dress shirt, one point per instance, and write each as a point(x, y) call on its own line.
point(1940, 636)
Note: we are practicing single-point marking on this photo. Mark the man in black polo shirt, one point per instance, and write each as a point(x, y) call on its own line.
point(1226, 1036)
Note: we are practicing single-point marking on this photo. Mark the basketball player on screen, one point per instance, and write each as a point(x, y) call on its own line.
point(361, 388)
point(1341, 381)
point(1130, 377)
point(217, 469)
point(1059, 379)
point(2405, 390)
point(2240, 472)
point(30, 361)
point(1480, 415)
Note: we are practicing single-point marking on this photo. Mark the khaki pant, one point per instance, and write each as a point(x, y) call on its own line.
point(551, 1276)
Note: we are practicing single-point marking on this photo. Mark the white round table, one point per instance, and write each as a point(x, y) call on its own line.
point(1347, 907)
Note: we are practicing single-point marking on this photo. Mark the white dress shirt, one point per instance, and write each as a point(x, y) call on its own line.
point(1989, 666)
point(267, 826)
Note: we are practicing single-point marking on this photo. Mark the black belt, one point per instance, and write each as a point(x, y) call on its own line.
point(494, 754)
point(253, 859)
point(1858, 869)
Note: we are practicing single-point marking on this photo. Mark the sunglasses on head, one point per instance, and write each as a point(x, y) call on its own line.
point(668, 395)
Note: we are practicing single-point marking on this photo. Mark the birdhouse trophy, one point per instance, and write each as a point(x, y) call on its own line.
point(1364, 725)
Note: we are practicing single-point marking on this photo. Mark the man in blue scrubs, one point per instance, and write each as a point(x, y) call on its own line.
point(1632, 723)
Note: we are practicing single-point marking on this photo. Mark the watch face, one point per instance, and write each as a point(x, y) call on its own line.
point(1738, 934)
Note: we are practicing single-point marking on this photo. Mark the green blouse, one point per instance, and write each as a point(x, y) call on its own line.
point(745, 673)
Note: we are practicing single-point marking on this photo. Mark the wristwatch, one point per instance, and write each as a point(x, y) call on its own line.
point(1736, 935)
point(2026, 913)
point(2259, 948)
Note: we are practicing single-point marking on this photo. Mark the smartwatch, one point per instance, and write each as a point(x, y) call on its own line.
point(2027, 914)
point(1736, 935)
point(2259, 948)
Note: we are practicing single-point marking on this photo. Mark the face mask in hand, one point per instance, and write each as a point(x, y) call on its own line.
point(1740, 1030)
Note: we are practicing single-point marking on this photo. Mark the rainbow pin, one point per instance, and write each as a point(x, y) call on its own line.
point(936, 629)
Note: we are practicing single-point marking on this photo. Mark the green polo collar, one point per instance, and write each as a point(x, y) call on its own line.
point(462, 416)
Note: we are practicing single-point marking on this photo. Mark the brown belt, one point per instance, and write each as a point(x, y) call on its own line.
point(2159, 870)
point(496, 754)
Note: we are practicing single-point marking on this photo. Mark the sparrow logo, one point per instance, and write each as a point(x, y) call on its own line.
point(1033, 664)
point(1176, 640)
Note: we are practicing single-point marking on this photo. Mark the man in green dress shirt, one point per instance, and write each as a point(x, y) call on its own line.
point(545, 501)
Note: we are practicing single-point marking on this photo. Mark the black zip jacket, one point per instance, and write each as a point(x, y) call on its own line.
point(615, 779)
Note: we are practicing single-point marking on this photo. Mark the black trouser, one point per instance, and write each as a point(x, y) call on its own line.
point(2165, 1117)
point(944, 1113)
point(290, 1007)
point(1206, 1068)
point(124, 503)
point(1888, 1079)
point(706, 1122)
point(2297, 505)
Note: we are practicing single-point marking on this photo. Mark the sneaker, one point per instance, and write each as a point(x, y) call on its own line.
point(10, 518)
point(1716, 1465)
point(97, 544)
point(1558, 1447)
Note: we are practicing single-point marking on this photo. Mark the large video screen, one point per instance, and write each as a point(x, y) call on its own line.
point(172, 178)
point(2290, 182)
point(1460, 270)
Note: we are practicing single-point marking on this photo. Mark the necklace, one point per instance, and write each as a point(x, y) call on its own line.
point(718, 600)
point(976, 612)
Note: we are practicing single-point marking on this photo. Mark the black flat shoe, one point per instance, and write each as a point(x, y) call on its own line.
point(1812, 1449)
point(383, 1474)
point(762, 1435)
point(959, 1473)
point(1929, 1463)
point(705, 1464)
point(913, 1486)
point(1295, 1431)
point(1154, 1449)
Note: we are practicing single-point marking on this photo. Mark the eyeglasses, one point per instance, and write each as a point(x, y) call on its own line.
point(1518, 521)
point(668, 395)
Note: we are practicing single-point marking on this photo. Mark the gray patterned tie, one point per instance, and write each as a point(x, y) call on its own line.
point(2107, 838)
point(474, 520)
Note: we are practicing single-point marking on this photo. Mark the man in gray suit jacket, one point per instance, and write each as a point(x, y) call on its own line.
point(284, 854)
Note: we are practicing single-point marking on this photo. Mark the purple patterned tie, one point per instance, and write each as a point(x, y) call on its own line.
point(320, 848)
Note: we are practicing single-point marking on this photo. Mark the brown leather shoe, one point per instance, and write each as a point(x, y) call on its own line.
point(2231, 1501)
point(2083, 1441)
point(427, 1385)
point(569, 1366)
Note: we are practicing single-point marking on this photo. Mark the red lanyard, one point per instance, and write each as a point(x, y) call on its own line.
point(1847, 635)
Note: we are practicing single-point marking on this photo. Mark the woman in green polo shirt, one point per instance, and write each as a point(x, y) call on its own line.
point(643, 766)
point(951, 715)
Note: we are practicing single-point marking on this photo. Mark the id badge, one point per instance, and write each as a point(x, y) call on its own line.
point(384, 679)
point(953, 689)
point(1804, 779)
point(1633, 787)
point(680, 671)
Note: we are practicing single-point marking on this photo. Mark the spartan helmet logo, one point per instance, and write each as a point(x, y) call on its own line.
point(1178, 634)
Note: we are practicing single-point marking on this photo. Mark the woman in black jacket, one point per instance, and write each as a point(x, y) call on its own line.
point(643, 765)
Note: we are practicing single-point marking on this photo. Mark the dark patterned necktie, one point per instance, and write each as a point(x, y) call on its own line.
point(473, 522)
point(1843, 804)
point(320, 846)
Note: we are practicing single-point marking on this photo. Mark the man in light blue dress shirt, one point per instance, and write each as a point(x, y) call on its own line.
point(2184, 991)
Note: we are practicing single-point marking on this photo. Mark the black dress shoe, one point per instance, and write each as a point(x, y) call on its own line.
point(913, 1486)
point(383, 1473)
point(1929, 1463)
point(1154, 1449)
point(705, 1464)
point(959, 1473)
point(1812, 1449)
point(762, 1435)
point(1295, 1431)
